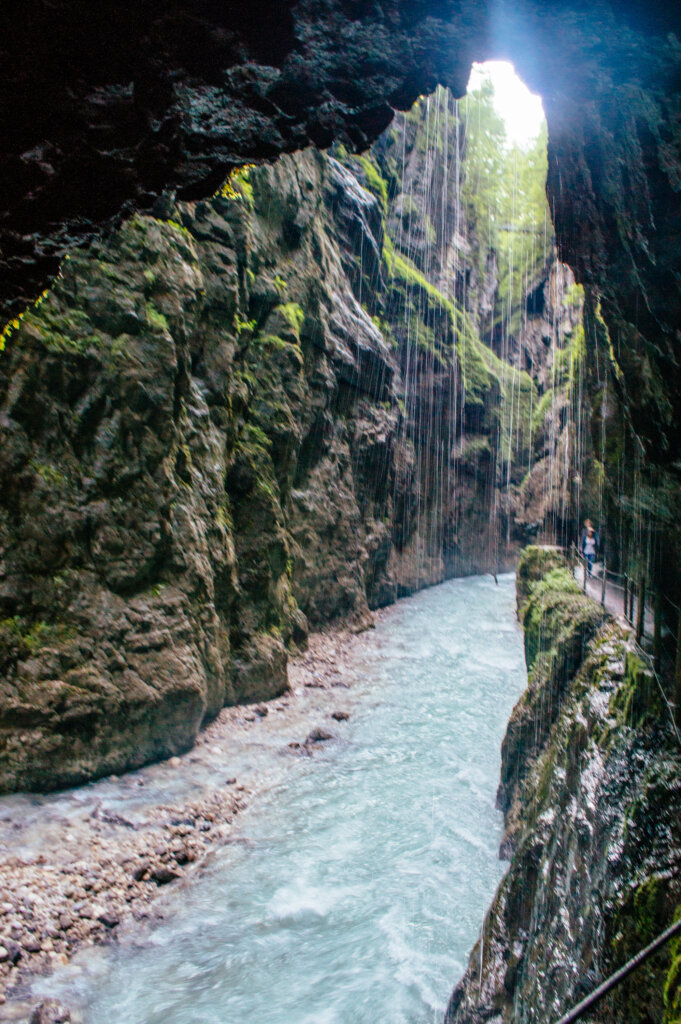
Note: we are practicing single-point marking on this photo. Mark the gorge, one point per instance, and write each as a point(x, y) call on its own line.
point(283, 394)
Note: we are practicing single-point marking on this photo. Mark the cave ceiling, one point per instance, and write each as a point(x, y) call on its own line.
point(104, 106)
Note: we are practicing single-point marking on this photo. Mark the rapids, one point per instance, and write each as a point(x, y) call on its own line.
point(357, 884)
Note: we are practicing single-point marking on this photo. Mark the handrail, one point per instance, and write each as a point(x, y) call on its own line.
point(614, 979)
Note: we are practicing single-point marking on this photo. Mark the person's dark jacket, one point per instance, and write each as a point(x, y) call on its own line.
point(582, 541)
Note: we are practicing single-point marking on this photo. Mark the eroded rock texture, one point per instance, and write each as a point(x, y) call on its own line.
point(593, 806)
point(237, 418)
point(104, 108)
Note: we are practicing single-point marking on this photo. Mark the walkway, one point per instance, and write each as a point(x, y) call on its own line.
point(614, 597)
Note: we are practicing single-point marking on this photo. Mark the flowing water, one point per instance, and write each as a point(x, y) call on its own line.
point(360, 882)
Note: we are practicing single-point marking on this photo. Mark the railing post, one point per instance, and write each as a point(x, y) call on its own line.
point(632, 588)
point(584, 574)
point(605, 577)
point(677, 672)
point(641, 616)
point(626, 594)
point(657, 631)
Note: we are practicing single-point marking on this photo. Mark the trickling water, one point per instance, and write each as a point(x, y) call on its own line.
point(361, 883)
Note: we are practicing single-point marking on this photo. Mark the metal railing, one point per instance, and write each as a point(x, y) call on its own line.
point(610, 983)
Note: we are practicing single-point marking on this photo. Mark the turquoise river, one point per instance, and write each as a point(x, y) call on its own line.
point(359, 880)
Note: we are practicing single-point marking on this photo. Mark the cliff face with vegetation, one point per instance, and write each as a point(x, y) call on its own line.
point(176, 97)
point(591, 794)
point(238, 419)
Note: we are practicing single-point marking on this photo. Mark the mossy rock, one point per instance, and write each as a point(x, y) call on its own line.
point(535, 562)
point(559, 622)
point(672, 986)
point(652, 992)
point(639, 700)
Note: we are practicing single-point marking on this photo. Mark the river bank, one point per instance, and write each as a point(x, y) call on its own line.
point(352, 878)
point(79, 866)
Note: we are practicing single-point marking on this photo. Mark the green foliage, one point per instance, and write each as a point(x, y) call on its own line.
point(239, 186)
point(504, 192)
point(242, 325)
point(13, 325)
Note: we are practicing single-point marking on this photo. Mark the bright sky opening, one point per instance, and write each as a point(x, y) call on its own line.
point(521, 109)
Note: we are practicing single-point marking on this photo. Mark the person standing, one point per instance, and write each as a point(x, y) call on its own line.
point(589, 545)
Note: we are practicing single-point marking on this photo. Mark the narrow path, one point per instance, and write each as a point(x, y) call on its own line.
point(614, 597)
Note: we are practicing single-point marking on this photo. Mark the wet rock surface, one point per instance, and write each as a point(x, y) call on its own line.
point(592, 812)
point(225, 425)
point(175, 98)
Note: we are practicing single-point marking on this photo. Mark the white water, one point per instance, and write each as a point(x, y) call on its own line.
point(362, 880)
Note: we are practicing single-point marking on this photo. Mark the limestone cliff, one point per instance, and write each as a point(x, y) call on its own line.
point(237, 418)
point(590, 787)
point(174, 97)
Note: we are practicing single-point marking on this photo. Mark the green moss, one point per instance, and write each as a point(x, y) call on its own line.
point(558, 618)
point(293, 314)
point(376, 183)
point(156, 319)
point(176, 226)
point(25, 638)
point(149, 279)
point(272, 341)
point(541, 409)
point(535, 562)
point(402, 268)
point(223, 517)
point(652, 992)
point(60, 332)
point(52, 476)
point(638, 700)
point(474, 449)
point(672, 985)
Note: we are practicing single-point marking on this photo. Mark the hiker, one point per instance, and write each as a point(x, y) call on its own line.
point(588, 545)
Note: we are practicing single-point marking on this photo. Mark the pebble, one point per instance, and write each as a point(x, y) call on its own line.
point(319, 735)
point(164, 874)
point(108, 919)
point(100, 871)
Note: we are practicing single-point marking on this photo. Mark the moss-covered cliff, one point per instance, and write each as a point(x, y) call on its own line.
point(239, 418)
point(590, 787)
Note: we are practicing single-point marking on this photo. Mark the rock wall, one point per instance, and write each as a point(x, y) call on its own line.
point(227, 423)
point(173, 98)
point(591, 794)
point(176, 97)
